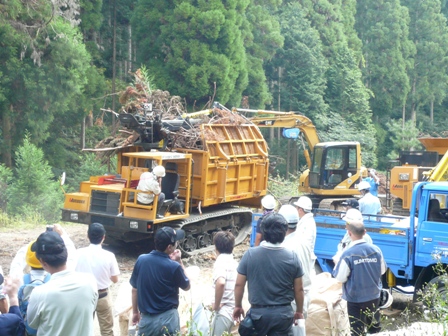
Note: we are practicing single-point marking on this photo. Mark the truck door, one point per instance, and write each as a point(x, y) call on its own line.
point(432, 234)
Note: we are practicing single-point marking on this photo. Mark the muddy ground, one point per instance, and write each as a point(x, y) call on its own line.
point(12, 240)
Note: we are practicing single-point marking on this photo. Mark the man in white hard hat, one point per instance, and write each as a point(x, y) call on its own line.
point(352, 216)
point(306, 227)
point(360, 270)
point(374, 181)
point(292, 242)
point(268, 204)
point(151, 182)
point(368, 204)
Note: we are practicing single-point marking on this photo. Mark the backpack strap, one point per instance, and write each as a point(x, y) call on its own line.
point(27, 279)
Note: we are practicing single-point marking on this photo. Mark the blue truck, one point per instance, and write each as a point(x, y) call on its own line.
point(411, 246)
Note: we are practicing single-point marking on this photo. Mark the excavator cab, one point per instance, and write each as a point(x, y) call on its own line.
point(334, 163)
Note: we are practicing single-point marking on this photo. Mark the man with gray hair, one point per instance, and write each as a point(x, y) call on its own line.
point(360, 270)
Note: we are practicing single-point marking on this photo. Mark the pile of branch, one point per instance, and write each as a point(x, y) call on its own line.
point(135, 100)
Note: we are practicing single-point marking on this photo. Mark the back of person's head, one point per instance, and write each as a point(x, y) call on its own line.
point(268, 202)
point(224, 242)
point(167, 236)
point(290, 213)
point(274, 228)
point(50, 248)
point(96, 232)
point(352, 203)
point(356, 228)
point(31, 258)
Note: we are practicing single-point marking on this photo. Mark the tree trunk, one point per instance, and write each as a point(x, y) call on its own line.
point(431, 112)
point(83, 133)
point(114, 58)
point(7, 142)
point(413, 104)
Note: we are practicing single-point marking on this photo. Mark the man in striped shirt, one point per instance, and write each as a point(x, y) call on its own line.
point(224, 277)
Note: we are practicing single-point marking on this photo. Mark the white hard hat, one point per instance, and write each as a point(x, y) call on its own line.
point(363, 185)
point(386, 299)
point(268, 202)
point(159, 171)
point(353, 216)
point(290, 214)
point(305, 203)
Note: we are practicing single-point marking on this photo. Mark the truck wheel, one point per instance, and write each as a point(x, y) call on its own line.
point(440, 282)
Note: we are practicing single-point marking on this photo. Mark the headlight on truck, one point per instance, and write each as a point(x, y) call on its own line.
point(133, 225)
point(74, 216)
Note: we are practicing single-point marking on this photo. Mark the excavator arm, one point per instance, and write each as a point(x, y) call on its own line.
point(286, 120)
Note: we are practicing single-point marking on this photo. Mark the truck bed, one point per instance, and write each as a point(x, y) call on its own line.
point(391, 234)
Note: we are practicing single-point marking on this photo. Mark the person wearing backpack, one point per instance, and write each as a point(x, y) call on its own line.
point(36, 277)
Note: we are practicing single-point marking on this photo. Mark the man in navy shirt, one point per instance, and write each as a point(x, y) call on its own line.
point(155, 282)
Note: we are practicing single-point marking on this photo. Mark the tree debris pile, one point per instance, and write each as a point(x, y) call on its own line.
point(157, 112)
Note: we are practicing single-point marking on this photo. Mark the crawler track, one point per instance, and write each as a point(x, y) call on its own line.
point(201, 228)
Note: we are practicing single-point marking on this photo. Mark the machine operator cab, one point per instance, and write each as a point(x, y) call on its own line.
point(335, 165)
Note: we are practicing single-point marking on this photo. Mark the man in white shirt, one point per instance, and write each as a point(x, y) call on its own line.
point(65, 304)
point(306, 227)
point(103, 266)
point(224, 277)
point(151, 183)
point(293, 242)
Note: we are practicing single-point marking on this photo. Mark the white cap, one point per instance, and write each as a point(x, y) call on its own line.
point(268, 202)
point(373, 171)
point(159, 171)
point(305, 203)
point(291, 215)
point(363, 185)
point(353, 216)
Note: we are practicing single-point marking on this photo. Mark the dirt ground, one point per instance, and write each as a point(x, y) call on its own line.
point(199, 268)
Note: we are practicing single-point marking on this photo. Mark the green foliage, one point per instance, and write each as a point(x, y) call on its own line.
point(6, 176)
point(429, 31)
point(282, 187)
point(384, 25)
point(33, 189)
point(89, 166)
point(193, 47)
point(403, 138)
point(300, 85)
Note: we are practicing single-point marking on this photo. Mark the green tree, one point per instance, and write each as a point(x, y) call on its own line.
point(297, 72)
point(43, 72)
point(403, 138)
point(193, 47)
point(33, 189)
point(383, 27)
point(346, 94)
point(428, 78)
point(262, 38)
